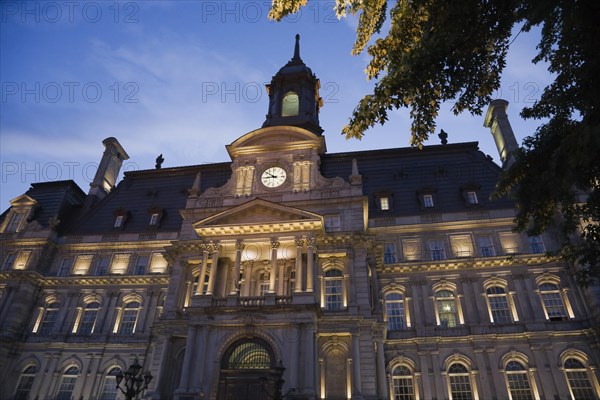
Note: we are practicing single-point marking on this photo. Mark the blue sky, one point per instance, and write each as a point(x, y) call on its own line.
point(185, 78)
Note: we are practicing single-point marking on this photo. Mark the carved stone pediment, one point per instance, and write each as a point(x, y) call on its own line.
point(259, 216)
point(276, 138)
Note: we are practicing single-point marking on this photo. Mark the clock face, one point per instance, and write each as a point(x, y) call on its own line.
point(273, 177)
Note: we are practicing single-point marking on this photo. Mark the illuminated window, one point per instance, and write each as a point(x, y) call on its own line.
point(485, 246)
point(446, 308)
point(552, 301)
point(403, 383)
point(428, 201)
point(436, 249)
point(461, 245)
point(290, 105)
point(263, 283)
point(459, 382)
point(389, 253)
point(82, 264)
point(25, 383)
point(129, 318)
point(498, 304)
point(109, 387)
point(88, 318)
point(411, 249)
point(67, 383)
point(65, 267)
point(536, 245)
point(394, 309)
point(120, 262)
point(49, 318)
point(517, 380)
point(578, 379)
point(158, 264)
point(384, 203)
point(509, 242)
point(334, 296)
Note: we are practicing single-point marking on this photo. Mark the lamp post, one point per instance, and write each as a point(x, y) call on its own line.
point(135, 383)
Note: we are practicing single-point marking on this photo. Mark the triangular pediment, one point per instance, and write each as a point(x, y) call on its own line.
point(259, 216)
point(23, 201)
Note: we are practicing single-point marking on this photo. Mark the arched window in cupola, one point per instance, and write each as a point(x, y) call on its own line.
point(290, 105)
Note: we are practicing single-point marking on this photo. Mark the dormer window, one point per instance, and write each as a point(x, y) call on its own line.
point(154, 218)
point(470, 194)
point(290, 105)
point(472, 197)
point(384, 203)
point(428, 201)
point(119, 221)
point(384, 200)
point(15, 222)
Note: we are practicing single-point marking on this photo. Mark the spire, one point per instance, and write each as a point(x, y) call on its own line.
point(297, 48)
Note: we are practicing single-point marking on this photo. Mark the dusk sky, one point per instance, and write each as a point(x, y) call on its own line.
point(185, 78)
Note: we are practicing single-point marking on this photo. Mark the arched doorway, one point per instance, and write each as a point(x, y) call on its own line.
point(249, 372)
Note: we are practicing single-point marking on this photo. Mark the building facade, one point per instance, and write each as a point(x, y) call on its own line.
point(294, 273)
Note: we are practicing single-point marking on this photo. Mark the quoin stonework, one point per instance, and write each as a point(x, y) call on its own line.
point(290, 272)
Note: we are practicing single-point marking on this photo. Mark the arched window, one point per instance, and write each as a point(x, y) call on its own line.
point(67, 383)
point(334, 292)
point(498, 305)
point(517, 380)
point(109, 387)
point(88, 318)
point(459, 382)
point(578, 379)
point(290, 105)
point(446, 308)
point(129, 318)
point(394, 308)
point(552, 301)
point(50, 314)
point(249, 355)
point(25, 383)
point(403, 383)
point(263, 283)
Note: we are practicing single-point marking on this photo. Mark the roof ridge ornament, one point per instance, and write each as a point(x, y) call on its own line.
point(297, 48)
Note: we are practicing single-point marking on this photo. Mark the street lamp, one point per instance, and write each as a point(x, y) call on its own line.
point(135, 383)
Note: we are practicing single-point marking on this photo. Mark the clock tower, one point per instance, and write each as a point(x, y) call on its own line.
point(294, 96)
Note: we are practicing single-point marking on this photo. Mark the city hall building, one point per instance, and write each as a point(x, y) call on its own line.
point(291, 272)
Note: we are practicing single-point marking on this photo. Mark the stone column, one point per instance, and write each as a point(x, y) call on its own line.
point(198, 362)
point(216, 247)
point(159, 380)
point(247, 278)
point(298, 284)
point(272, 275)
point(357, 386)
point(281, 276)
point(486, 375)
point(143, 314)
point(294, 338)
point(187, 360)
point(308, 354)
point(235, 279)
point(106, 322)
point(202, 276)
point(381, 374)
point(426, 375)
point(310, 261)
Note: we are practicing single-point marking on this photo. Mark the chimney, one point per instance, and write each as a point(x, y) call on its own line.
point(108, 170)
point(497, 120)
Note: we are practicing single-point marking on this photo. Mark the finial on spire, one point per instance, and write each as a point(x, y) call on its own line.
point(297, 47)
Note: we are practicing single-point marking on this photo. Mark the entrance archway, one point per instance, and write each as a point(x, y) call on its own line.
point(249, 372)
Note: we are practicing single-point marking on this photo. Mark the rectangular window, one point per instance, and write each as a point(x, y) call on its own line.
point(120, 263)
point(119, 221)
point(472, 198)
point(485, 246)
point(14, 223)
point(22, 260)
point(436, 249)
point(82, 264)
point(411, 249)
point(65, 267)
point(332, 223)
point(102, 266)
point(333, 294)
point(384, 203)
point(461, 245)
point(154, 219)
point(128, 321)
point(509, 242)
point(140, 265)
point(9, 261)
point(536, 244)
point(428, 201)
point(48, 321)
point(389, 253)
point(88, 320)
point(158, 264)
